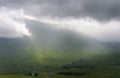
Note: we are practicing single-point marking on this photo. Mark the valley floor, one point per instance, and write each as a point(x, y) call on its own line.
point(98, 72)
point(105, 66)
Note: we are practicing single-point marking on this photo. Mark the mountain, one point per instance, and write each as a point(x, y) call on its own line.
point(112, 46)
point(47, 46)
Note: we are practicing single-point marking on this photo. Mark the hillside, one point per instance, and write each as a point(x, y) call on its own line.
point(47, 46)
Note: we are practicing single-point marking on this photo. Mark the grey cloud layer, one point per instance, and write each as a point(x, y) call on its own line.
point(98, 9)
point(14, 19)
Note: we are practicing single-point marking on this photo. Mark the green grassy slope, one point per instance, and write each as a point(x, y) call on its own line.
point(48, 50)
point(105, 66)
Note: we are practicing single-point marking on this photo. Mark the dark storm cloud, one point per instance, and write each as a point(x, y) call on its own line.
point(98, 9)
point(13, 14)
point(102, 9)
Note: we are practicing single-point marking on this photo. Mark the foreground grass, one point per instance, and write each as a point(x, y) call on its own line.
point(13, 76)
point(98, 72)
point(106, 66)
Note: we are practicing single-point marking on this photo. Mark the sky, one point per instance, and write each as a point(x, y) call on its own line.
point(99, 19)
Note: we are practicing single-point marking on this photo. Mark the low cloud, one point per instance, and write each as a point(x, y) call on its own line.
point(108, 31)
point(11, 23)
point(99, 19)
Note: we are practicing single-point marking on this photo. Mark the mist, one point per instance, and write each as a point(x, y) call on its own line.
point(59, 38)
